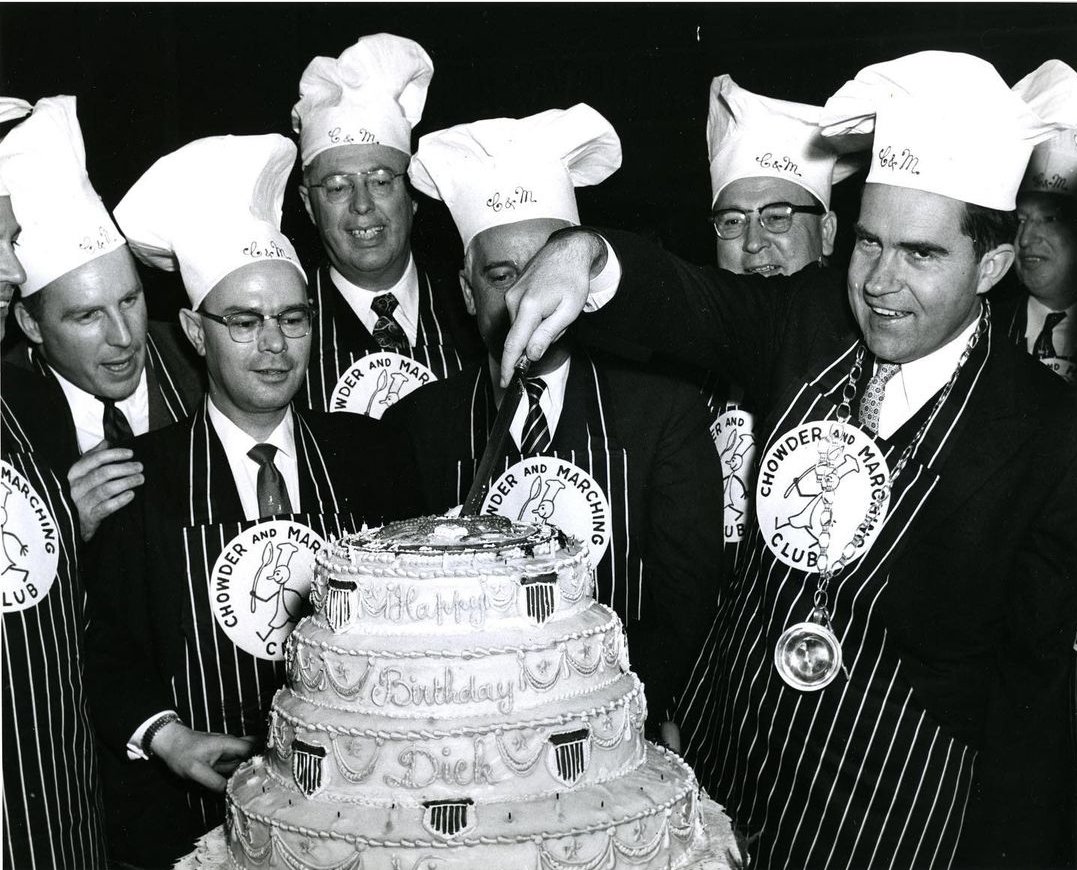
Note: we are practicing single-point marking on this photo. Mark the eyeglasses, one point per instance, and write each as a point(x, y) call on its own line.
point(777, 217)
point(341, 186)
point(245, 326)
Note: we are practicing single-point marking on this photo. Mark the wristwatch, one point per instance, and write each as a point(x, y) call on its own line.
point(155, 726)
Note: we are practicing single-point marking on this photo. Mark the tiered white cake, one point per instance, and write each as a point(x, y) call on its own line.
point(459, 700)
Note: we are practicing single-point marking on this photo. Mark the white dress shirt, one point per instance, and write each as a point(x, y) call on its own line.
point(88, 411)
point(551, 401)
point(236, 443)
point(1062, 336)
point(917, 381)
point(406, 291)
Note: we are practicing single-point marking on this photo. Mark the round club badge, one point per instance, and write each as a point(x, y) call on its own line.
point(734, 436)
point(545, 488)
point(29, 543)
point(791, 481)
point(377, 381)
point(259, 583)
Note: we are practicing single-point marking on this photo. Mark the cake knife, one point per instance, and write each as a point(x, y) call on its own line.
point(495, 446)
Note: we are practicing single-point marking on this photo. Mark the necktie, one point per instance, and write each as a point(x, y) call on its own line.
point(387, 332)
point(872, 402)
point(272, 493)
point(114, 423)
point(536, 435)
point(1045, 346)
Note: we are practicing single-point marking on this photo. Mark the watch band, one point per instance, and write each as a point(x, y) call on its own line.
point(155, 726)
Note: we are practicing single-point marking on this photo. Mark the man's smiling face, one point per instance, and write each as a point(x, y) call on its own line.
point(914, 279)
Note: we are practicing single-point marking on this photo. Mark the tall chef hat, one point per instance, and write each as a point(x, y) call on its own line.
point(944, 122)
point(505, 170)
point(211, 207)
point(373, 94)
point(1051, 92)
point(43, 169)
point(11, 109)
point(750, 136)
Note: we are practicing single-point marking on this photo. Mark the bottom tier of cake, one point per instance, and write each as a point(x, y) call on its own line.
point(649, 819)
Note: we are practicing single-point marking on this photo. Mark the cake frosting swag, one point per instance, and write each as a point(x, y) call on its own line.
point(459, 700)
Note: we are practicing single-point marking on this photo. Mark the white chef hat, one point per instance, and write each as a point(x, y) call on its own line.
point(43, 169)
point(12, 109)
point(373, 94)
point(944, 122)
point(210, 208)
point(750, 136)
point(505, 170)
point(1051, 92)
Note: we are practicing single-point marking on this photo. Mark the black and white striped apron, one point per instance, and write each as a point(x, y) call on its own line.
point(587, 438)
point(339, 339)
point(218, 686)
point(52, 805)
point(858, 774)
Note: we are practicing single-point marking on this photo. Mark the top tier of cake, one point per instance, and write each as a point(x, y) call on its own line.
point(448, 575)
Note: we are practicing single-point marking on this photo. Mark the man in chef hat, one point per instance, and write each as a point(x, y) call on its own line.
point(1044, 319)
point(855, 704)
point(635, 442)
point(178, 673)
point(354, 119)
point(771, 172)
point(52, 804)
point(82, 309)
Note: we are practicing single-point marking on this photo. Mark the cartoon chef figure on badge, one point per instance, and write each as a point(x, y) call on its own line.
point(273, 575)
point(376, 382)
point(28, 543)
point(797, 469)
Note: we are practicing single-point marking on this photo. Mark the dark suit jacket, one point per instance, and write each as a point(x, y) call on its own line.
point(136, 584)
point(674, 495)
point(982, 599)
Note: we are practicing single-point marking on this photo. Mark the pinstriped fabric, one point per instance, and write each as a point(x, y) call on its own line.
point(859, 774)
point(166, 383)
point(219, 687)
point(619, 576)
point(51, 803)
point(339, 339)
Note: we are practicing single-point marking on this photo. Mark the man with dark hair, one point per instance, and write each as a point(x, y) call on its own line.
point(82, 310)
point(911, 599)
point(52, 805)
point(1043, 318)
point(374, 295)
point(196, 584)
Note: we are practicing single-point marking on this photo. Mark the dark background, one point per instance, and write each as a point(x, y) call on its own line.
point(152, 77)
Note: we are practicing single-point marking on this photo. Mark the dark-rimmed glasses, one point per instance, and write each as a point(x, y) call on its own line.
point(245, 326)
point(775, 217)
point(340, 187)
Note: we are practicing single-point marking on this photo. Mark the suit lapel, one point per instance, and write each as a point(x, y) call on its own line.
point(987, 435)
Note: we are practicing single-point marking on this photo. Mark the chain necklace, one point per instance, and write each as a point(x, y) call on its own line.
point(808, 654)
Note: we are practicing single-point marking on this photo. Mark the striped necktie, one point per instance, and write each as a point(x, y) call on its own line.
point(387, 332)
point(536, 435)
point(1044, 348)
point(872, 403)
point(272, 493)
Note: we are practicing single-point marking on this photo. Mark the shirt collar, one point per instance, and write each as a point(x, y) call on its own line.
point(1037, 314)
point(235, 440)
point(88, 405)
point(405, 289)
point(923, 377)
point(556, 380)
